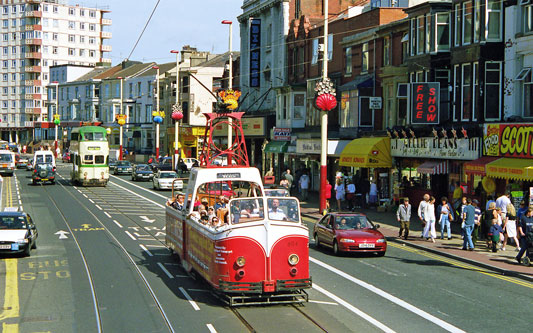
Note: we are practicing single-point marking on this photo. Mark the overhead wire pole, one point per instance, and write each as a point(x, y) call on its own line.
point(230, 86)
point(176, 124)
point(121, 134)
point(157, 109)
point(56, 126)
point(324, 116)
point(142, 32)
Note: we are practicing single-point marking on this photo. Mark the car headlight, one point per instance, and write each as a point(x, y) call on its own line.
point(22, 241)
point(293, 259)
point(241, 261)
point(381, 240)
point(346, 240)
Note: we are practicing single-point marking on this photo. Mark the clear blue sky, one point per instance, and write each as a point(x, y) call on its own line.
point(175, 23)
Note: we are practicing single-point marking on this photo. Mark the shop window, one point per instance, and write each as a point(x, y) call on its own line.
point(493, 16)
point(366, 114)
point(467, 22)
point(466, 88)
point(493, 81)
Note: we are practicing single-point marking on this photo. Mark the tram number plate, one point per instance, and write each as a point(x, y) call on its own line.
point(367, 246)
point(5, 247)
point(228, 175)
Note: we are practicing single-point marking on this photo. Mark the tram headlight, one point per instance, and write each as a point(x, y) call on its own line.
point(293, 259)
point(241, 261)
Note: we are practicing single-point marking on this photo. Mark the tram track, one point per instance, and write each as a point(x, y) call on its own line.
point(118, 243)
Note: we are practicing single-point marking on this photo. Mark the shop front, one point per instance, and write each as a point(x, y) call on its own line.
point(431, 165)
point(370, 159)
point(190, 140)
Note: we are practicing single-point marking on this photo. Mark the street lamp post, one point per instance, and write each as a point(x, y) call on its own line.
point(56, 117)
point(121, 152)
point(324, 116)
point(230, 86)
point(176, 113)
point(157, 110)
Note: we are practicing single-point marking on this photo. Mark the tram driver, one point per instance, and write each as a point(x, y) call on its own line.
point(275, 212)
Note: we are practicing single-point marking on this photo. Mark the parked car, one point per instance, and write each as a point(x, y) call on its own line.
point(164, 164)
point(18, 233)
point(123, 168)
point(191, 162)
point(22, 162)
point(163, 180)
point(112, 164)
point(277, 192)
point(349, 232)
point(29, 165)
point(43, 172)
point(142, 172)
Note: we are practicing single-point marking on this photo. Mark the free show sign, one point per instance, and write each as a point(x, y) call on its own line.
point(509, 140)
point(454, 149)
point(425, 103)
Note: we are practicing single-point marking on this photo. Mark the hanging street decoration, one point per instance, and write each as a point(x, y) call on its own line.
point(326, 97)
point(56, 120)
point(229, 98)
point(121, 119)
point(158, 116)
point(177, 113)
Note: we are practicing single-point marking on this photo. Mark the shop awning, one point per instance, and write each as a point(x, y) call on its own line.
point(276, 147)
point(361, 81)
point(433, 167)
point(367, 153)
point(478, 167)
point(511, 168)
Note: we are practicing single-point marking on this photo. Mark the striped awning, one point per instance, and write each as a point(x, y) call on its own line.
point(433, 167)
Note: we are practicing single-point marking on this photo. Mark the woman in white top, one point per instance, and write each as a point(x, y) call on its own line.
point(429, 216)
point(510, 226)
point(339, 193)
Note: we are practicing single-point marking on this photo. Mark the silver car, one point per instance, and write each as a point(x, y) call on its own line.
point(163, 180)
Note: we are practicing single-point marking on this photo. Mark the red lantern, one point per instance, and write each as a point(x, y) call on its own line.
point(177, 115)
point(326, 102)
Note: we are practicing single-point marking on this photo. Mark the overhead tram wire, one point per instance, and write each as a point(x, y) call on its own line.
point(142, 32)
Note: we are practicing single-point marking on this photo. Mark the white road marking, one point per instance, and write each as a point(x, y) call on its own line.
point(394, 299)
point(74, 187)
point(146, 250)
point(140, 187)
point(188, 297)
point(182, 276)
point(163, 268)
point(107, 214)
point(118, 224)
point(199, 290)
point(352, 308)
point(131, 236)
point(211, 328)
point(155, 245)
point(85, 195)
point(91, 200)
point(322, 302)
point(98, 207)
point(140, 196)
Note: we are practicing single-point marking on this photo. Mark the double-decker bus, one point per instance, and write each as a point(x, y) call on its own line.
point(89, 153)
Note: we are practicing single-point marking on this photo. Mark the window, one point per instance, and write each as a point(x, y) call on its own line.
point(55, 9)
point(330, 47)
point(5, 23)
point(54, 50)
point(475, 78)
point(456, 91)
point(55, 23)
point(14, 9)
point(429, 31)
point(528, 94)
point(13, 23)
point(348, 108)
point(13, 63)
point(466, 96)
point(92, 27)
point(413, 37)
point(92, 13)
point(366, 114)
point(457, 25)
point(45, 8)
point(528, 17)
point(72, 11)
point(92, 53)
point(54, 36)
point(492, 90)
point(82, 39)
point(14, 50)
point(364, 58)
point(117, 90)
point(493, 16)
point(92, 40)
point(348, 60)
point(45, 22)
point(420, 28)
point(82, 12)
point(71, 52)
point(5, 10)
point(5, 64)
point(71, 38)
point(82, 25)
point(45, 49)
point(314, 59)
point(82, 53)
point(467, 22)
point(184, 86)
point(386, 51)
point(71, 25)
point(405, 47)
point(477, 18)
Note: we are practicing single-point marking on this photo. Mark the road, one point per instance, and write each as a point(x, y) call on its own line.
point(101, 265)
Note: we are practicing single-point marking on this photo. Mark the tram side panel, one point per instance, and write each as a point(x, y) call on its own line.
point(289, 273)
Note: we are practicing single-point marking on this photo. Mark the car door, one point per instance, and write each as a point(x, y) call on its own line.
point(32, 228)
point(321, 228)
point(155, 180)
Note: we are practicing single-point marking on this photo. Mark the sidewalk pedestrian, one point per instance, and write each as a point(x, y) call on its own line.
point(350, 195)
point(502, 202)
point(290, 179)
point(304, 185)
point(477, 221)
point(429, 216)
point(490, 214)
point(373, 194)
point(404, 217)
point(525, 227)
point(509, 227)
point(490, 200)
point(444, 213)
point(328, 196)
point(469, 220)
point(495, 232)
point(339, 193)
point(457, 195)
point(421, 211)
point(522, 210)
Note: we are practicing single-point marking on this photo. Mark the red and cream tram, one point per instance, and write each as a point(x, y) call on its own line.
point(258, 253)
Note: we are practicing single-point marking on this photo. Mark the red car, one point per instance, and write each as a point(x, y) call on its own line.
point(349, 232)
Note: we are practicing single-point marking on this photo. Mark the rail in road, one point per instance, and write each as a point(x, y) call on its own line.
point(102, 250)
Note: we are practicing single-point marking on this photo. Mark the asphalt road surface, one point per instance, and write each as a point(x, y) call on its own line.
point(101, 265)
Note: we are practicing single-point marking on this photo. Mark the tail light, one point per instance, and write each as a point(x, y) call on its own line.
point(293, 271)
point(240, 273)
point(54, 169)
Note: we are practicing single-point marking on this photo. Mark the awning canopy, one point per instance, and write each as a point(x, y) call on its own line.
point(433, 167)
point(511, 168)
point(477, 167)
point(335, 147)
point(361, 81)
point(367, 153)
point(276, 147)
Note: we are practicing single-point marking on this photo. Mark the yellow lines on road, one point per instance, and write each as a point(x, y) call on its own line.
point(11, 295)
point(462, 265)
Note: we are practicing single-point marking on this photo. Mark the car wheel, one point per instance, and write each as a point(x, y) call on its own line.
point(526, 261)
point(34, 245)
point(27, 251)
point(52, 182)
point(380, 254)
point(33, 182)
point(336, 250)
point(317, 241)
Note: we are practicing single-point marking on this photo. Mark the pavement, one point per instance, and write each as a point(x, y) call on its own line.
point(502, 262)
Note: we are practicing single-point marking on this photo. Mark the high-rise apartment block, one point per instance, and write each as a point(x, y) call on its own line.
point(34, 35)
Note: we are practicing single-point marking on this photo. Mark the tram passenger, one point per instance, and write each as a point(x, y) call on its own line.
point(274, 212)
point(215, 222)
point(221, 203)
point(211, 213)
point(177, 201)
point(204, 219)
point(249, 211)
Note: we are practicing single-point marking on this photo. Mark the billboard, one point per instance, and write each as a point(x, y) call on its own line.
point(425, 103)
point(255, 52)
point(508, 140)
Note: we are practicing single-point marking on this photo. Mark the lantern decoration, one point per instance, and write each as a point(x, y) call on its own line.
point(158, 116)
point(412, 133)
point(488, 184)
point(108, 130)
point(121, 119)
point(325, 100)
point(396, 134)
point(229, 98)
point(435, 133)
point(404, 133)
point(454, 133)
point(177, 113)
point(444, 133)
point(56, 120)
point(465, 133)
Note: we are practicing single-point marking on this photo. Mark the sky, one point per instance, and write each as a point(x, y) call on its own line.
point(175, 23)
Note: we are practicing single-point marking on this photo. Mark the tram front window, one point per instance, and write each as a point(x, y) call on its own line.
point(87, 159)
point(283, 210)
point(246, 210)
point(99, 159)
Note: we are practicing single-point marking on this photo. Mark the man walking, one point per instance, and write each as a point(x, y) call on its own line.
point(290, 179)
point(404, 217)
point(304, 185)
point(422, 212)
point(470, 217)
point(525, 226)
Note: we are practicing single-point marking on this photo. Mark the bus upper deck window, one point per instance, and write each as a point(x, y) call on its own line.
point(99, 137)
point(88, 136)
point(88, 159)
point(99, 159)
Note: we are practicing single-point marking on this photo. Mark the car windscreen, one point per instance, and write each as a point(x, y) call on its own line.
point(6, 158)
point(352, 222)
point(12, 222)
point(168, 175)
point(280, 209)
point(124, 163)
point(143, 168)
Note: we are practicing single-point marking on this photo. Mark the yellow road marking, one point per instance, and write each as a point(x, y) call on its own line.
point(463, 265)
point(11, 294)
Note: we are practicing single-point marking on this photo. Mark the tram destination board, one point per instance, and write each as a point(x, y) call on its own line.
point(226, 175)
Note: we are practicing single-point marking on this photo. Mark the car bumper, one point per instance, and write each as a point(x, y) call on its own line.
point(147, 177)
point(46, 179)
point(165, 186)
point(123, 172)
point(94, 182)
point(6, 170)
point(13, 248)
point(355, 247)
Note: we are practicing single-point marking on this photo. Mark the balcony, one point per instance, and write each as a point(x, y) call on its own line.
point(105, 48)
point(105, 60)
point(31, 27)
point(32, 82)
point(28, 123)
point(34, 41)
point(33, 13)
point(32, 96)
point(33, 55)
point(32, 69)
point(105, 34)
point(106, 21)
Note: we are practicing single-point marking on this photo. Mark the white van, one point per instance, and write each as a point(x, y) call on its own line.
point(7, 162)
point(44, 156)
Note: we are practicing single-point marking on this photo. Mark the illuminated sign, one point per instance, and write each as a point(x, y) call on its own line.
point(510, 140)
point(255, 52)
point(425, 103)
